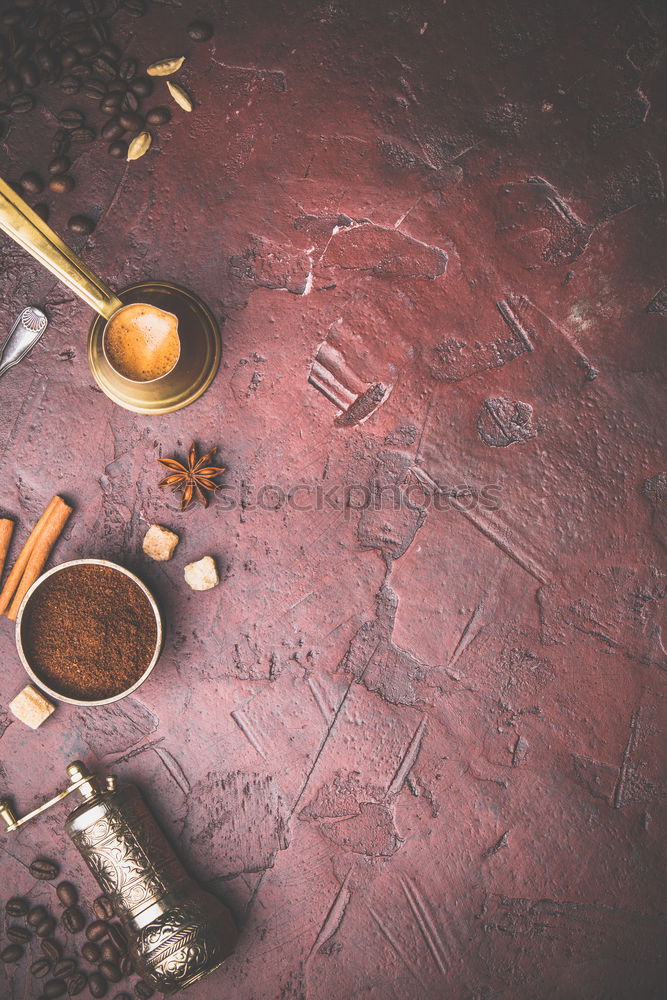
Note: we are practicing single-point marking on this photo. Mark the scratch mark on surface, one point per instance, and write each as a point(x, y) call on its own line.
point(409, 758)
point(320, 699)
point(174, 769)
point(334, 917)
point(466, 636)
point(625, 763)
point(499, 844)
point(425, 923)
point(132, 753)
point(384, 930)
point(246, 728)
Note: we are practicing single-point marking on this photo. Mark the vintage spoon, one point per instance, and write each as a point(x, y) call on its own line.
point(23, 336)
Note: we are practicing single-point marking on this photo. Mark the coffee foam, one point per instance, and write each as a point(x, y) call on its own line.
point(141, 342)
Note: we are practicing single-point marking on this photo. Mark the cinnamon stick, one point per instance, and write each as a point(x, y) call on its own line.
point(17, 570)
point(41, 551)
point(6, 529)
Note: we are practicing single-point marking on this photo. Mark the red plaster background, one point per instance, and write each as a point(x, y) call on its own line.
point(419, 751)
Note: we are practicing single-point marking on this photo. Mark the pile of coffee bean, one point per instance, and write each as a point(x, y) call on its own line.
point(100, 963)
point(48, 46)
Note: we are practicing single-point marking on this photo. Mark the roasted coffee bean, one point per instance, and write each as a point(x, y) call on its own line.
point(117, 87)
point(29, 73)
point(40, 968)
point(68, 57)
point(117, 149)
point(97, 985)
point(70, 119)
point(111, 972)
point(32, 182)
point(36, 915)
point(81, 224)
point(60, 142)
point(64, 969)
point(95, 88)
point(47, 26)
point(11, 953)
point(66, 892)
point(91, 952)
point(77, 984)
point(84, 134)
point(81, 70)
point(20, 105)
point(55, 988)
point(103, 908)
point(129, 101)
point(110, 104)
point(46, 927)
point(110, 51)
point(13, 84)
point(97, 930)
point(112, 129)
point(16, 907)
point(143, 990)
point(117, 935)
point(52, 949)
point(126, 966)
point(132, 121)
point(11, 16)
point(73, 919)
point(104, 68)
point(142, 86)
point(87, 47)
point(158, 116)
point(70, 85)
point(18, 934)
point(200, 31)
point(128, 69)
point(42, 210)
point(108, 952)
point(137, 8)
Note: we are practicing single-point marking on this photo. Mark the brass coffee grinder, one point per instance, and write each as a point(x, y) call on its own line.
point(177, 933)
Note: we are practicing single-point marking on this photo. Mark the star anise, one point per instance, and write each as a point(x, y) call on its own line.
point(193, 480)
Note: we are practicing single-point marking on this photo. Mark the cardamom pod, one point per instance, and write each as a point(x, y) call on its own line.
point(180, 96)
point(139, 145)
point(165, 67)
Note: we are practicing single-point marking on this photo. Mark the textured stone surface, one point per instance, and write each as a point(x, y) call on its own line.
point(416, 736)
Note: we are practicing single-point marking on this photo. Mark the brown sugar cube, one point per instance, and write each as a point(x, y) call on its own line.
point(202, 575)
point(159, 543)
point(31, 707)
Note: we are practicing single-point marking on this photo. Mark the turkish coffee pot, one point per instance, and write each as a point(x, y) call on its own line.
point(177, 933)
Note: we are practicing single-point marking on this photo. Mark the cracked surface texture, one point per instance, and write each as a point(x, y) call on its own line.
point(416, 736)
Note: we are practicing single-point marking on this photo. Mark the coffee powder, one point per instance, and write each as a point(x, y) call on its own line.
point(89, 632)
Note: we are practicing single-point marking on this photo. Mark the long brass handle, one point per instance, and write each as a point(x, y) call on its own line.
point(23, 225)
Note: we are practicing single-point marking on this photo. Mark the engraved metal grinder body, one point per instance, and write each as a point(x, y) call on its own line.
point(177, 933)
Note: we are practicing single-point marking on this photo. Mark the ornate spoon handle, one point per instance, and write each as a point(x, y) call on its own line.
point(23, 336)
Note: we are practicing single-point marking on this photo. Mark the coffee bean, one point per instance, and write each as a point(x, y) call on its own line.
point(103, 908)
point(52, 949)
point(87, 47)
point(64, 969)
point(20, 105)
point(13, 84)
point(55, 988)
point(97, 930)
point(200, 31)
point(85, 134)
point(11, 953)
point(110, 105)
point(110, 971)
point(126, 966)
point(158, 116)
point(143, 990)
point(70, 119)
point(95, 88)
point(77, 984)
point(117, 87)
point(118, 149)
point(81, 224)
point(108, 952)
point(29, 73)
point(127, 69)
point(137, 8)
point(40, 968)
point(104, 68)
point(91, 952)
point(97, 985)
point(142, 86)
point(61, 184)
point(36, 915)
point(68, 57)
point(47, 26)
point(117, 935)
point(112, 129)
point(42, 210)
point(129, 101)
point(73, 919)
point(11, 16)
point(132, 121)
point(42, 868)
point(33, 184)
point(66, 892)
point(16, 907)
point(81, 70)
point(110, 51)
point(46, 927)
point(18, 934)
point(70, 85)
